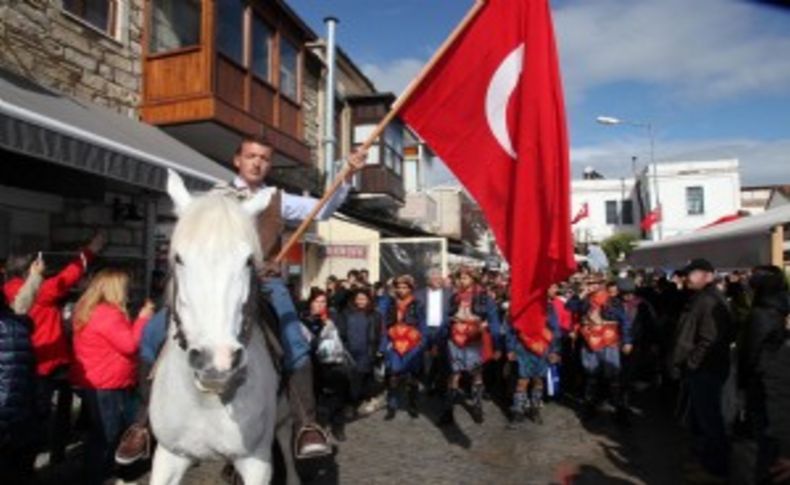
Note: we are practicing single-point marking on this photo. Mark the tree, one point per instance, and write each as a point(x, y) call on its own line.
point(619, 246)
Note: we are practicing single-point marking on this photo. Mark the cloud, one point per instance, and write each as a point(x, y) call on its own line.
point(704, 50)
point(761, 162)
point(393, 75)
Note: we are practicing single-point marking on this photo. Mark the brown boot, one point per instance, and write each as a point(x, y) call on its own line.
point(135, 445)
point(311, 440)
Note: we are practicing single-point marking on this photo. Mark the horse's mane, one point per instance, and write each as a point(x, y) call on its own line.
point(215, 223)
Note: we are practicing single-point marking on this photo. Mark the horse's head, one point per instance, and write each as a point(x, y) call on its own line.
point(214, 253)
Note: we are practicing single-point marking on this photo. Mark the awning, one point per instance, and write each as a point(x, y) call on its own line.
point(741, 243)
point(40, 123)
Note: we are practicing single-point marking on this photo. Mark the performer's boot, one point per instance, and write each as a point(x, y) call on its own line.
point(518, 407)
point(590, 401)
point(412, 397)
point(477, 403)
point(621, 415)
point(536, 403)
point(392, 397)
point(447, 416)
point(311, 440)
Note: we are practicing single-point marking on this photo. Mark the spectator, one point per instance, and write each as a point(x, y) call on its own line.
point(50, 344)
point(17, 398)
point(360, 328)
point(702, 356)
point(764, 333)
point(106, 343)
point(329, 357)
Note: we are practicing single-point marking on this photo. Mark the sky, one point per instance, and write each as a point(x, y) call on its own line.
point(711, 76)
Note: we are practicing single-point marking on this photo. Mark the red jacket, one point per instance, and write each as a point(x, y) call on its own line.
point(105, 349)
point(564, 316)
point(49, 343)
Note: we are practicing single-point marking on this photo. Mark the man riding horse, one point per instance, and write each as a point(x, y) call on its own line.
point(253, 161)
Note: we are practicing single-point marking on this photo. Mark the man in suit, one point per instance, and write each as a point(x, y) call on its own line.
point(435, 298)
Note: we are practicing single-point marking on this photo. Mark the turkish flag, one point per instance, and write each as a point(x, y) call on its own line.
point(584, 212)
point(651, 219)
point(492, 109)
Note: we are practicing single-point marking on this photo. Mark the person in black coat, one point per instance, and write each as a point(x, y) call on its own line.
point(17, 398)
point(701, 355)
point(762, 336)
point(360, 329)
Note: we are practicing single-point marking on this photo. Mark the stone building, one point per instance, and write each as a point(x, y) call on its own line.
point(76, 48)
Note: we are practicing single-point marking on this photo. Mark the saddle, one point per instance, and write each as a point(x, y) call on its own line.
point(404, 338)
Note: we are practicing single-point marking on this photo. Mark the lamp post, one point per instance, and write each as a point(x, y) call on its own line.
point(612, 121)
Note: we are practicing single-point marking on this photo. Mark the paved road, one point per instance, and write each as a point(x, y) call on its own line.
point(417, 451)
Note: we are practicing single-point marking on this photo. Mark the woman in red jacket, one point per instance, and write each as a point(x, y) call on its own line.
point(105, 364)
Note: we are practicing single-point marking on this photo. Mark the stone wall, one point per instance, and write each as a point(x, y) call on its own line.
point(42, 42)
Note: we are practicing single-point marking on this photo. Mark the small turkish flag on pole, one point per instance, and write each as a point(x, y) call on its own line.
point(492, 108)
point(584, 212)
point(651, 219)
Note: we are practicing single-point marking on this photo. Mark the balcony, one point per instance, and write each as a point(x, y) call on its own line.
point(215, 70)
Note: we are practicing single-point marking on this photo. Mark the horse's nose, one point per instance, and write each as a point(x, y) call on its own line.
point(228, 358)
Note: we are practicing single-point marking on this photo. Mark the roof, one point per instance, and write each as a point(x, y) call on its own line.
point(742, 242)
point(41, 123)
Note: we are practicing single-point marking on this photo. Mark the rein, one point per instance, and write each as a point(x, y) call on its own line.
point(249, 311)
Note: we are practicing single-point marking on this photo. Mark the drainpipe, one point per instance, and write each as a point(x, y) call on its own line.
point(329, 119)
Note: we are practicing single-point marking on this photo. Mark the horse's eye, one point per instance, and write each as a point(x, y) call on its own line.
point(250, 262)
point(178, 260)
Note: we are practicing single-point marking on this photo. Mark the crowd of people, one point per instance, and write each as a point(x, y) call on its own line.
point(356, 345)
point(392, 344)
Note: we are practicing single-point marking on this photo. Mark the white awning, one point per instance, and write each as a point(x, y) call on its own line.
point(741, 243)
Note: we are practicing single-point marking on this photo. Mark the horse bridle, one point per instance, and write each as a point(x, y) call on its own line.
point(249, 310)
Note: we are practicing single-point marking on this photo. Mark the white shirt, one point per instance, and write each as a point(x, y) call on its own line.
point(295, 208)
point(435, 310)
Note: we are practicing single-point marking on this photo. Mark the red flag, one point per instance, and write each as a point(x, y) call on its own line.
point(584, 212)
point(651, 219)
point(492, 109)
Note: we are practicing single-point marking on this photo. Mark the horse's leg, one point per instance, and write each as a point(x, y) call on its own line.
point(168, 468)
point(255, 470)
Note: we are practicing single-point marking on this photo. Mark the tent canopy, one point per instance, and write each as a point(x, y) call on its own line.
point(741, 243)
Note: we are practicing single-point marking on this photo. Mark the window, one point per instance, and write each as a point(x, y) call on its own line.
point(261, 48)
point(98, 13)
point(611, 212)
point(289, 68)
point(695, 201)
point(230, 31)
point(174, 24)
point(627, 212)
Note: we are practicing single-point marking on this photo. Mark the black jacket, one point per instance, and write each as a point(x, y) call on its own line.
point(776, 379)
point(765, 330)
point(374, 329)
point(17, 377)
point(704, 333)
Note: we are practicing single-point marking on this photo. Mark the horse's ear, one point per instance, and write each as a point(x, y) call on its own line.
point(259, 202)
point(177, 190)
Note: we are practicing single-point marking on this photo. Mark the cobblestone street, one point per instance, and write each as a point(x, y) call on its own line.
point(417, 451)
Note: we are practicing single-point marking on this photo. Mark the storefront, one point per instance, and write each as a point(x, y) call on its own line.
point(70, 168)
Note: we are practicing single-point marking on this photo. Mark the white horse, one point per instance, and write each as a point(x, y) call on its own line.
point(215, 386)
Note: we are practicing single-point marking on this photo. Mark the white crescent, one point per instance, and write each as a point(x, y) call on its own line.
point(500, 89)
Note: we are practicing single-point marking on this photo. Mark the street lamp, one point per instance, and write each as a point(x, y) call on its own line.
point(612, 121)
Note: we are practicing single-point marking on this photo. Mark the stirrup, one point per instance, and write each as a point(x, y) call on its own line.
point(317, 453)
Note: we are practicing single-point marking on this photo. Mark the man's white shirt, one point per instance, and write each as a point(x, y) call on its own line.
point(435, 310)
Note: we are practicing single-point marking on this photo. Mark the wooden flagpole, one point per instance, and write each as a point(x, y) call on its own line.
point(379, 129)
